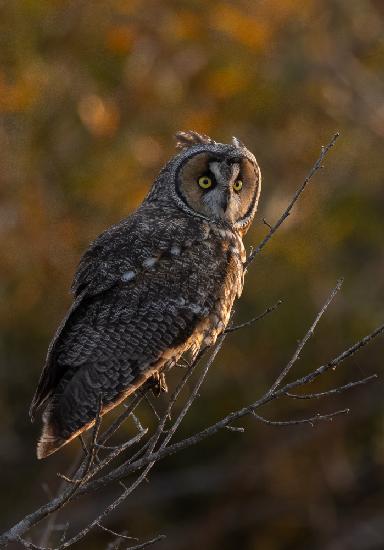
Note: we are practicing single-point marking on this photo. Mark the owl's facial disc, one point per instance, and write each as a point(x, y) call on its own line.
point(223, 200)
point(222, 189)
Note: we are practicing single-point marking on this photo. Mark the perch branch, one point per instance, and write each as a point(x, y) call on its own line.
point(126, 469)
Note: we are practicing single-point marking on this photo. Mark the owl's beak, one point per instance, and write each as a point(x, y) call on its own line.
point(226, 205)
point(225, 199)
point(225, 173)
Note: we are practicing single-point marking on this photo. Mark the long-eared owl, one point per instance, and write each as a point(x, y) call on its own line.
point(159, 283)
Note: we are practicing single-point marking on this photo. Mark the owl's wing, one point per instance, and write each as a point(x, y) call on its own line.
point(134, 313)
point(108, 257)
point(116, 321)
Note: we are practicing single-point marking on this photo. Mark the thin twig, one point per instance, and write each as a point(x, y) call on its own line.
point(334, 363)
point(167, 415)
point(312, 420)
point(91, 451)
point(307, 336)
point(137, 423)
point(148, 400)
point(266, 223)
point(115, 452)
point(95, 434)
point(254, 319)
point(64, 533)
point(140, 393)
point(120, 535)
point(83, 445)
point(235, 429)
point(148, 543)
point(333, 391)
point(317, 166)
point(50, 525)
point(194, 392)
point(81, 534)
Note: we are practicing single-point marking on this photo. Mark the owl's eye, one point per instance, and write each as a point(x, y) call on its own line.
point(205, 182)
point(238, 185)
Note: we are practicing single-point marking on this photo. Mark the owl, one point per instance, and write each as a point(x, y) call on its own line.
point(156, 285)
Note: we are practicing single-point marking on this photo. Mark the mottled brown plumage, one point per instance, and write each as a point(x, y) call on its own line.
point(159, 283)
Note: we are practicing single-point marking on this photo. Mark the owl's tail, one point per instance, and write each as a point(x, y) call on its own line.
point(48, 442)
point(50, 439)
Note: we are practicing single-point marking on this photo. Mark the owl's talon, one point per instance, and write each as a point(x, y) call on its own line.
point(160, 385)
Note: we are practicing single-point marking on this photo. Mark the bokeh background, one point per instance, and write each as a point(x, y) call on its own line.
point(91, 94)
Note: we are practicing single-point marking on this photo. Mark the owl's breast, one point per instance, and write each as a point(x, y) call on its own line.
point(228, 253)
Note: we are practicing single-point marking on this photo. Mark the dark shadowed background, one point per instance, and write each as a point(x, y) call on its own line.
point(91, 94)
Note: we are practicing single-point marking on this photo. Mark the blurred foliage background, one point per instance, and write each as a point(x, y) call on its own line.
point(90, 96)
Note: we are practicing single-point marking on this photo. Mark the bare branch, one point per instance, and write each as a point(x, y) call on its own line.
point(137, 423)
point(334, 363)
point(307, 336)
point(142, 477)
point(239, 429)
point(148, 400)
point(28, 544)
point(254, 319)
point(266, 223)
point(119, 535)
point(115, 452)
point(126, 469)
point(312, 420)
point(125, 414)
point(194, 392)
point(107, 510)
point(148, 543)
point(91, 453)
point(333, 391)
point(317, 166)
point(83, 445)
point(149, 458)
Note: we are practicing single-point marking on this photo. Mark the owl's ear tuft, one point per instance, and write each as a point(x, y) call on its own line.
point(237, 143)
point(191, 138)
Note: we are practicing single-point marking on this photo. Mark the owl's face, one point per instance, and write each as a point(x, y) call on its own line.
point(215, 181)
point(220, 188)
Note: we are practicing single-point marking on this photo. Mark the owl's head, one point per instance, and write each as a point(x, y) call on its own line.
point(215, 181)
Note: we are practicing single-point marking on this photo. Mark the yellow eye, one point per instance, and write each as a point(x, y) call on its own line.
point(238, 185)
point(205, 182)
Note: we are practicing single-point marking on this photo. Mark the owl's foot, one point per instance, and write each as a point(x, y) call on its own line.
point(159, 384)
